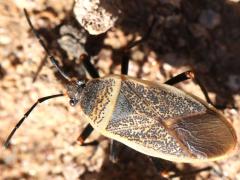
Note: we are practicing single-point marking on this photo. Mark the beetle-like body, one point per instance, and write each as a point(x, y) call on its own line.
point(156, 119)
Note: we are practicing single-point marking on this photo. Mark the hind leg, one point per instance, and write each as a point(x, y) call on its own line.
point(189, 75)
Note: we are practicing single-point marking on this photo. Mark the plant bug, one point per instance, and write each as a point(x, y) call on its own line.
point(155, 119)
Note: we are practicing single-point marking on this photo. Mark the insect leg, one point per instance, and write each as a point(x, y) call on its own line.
point(180, 77)
point(94, 73)
point(114, 150)
point(165, 167)
point(189, 75)
point(124, 70)
point(40, 100)
point(126, 55)
point(84, 135)
point(89, 66)
point(124, 64)
point(190, 173)
point(146, 35)
point(113, 144)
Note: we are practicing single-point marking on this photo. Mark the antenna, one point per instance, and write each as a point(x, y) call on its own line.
point(40, 100)
point(51, 57)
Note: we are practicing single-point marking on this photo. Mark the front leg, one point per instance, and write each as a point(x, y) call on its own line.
point(84, 135)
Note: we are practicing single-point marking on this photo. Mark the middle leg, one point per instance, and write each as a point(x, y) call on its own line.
point(114, 145)
point(189, 75)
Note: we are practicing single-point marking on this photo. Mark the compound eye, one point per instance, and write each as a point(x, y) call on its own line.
point(73, 102)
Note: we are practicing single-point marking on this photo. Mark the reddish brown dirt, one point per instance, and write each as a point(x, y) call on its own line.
point(183, 38)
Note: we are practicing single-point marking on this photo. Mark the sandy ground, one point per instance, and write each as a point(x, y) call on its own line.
point(204, 36)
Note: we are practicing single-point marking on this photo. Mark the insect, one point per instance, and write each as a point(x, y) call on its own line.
point(155, 119)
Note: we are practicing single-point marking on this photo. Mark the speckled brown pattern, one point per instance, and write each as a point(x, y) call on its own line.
point(169, 121)
point(163, 101)
point(148, 133)
point(95, 97)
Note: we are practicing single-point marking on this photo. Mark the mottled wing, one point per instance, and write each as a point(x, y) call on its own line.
point(145, 135)
point(161, 121)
